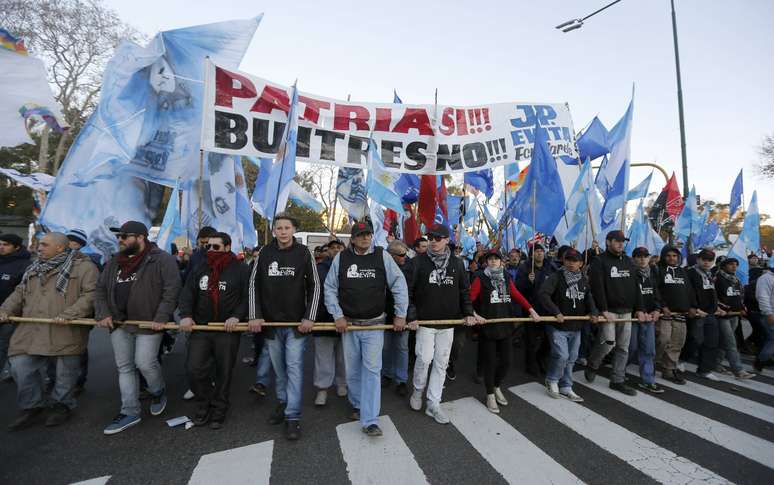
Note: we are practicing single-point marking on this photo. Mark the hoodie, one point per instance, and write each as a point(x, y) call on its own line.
point(12, 268)
point(614, 284)
point(673, 285)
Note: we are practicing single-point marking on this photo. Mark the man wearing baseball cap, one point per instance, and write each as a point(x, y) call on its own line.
point(356, 294)
point(729, 291)
point(141, 282)
point(643, 342)
point(438, 290)
point(613, 280)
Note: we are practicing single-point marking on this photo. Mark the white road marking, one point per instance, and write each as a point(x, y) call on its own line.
point(658, 463)
point(94, 481)
point(745, 444)
point(378, 460)
point(509, 452)
point(249, 464)
point(746, 383)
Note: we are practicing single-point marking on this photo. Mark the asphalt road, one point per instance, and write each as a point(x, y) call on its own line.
point(729, 434)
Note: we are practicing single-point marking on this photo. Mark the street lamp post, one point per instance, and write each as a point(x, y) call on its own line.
point(575, 24)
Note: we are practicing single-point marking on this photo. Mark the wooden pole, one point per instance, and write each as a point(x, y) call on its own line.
point(201, 190)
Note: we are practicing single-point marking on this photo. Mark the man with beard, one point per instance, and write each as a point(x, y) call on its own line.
point(14, 259)
point(58, 285)
point(214, 292)
point(284, 287)
point(142, 283)
point(439, 290)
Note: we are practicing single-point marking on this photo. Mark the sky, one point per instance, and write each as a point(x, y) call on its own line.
point(500, 51)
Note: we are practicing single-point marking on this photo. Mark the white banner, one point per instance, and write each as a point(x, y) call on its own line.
point(246, 115)
point(36, 180)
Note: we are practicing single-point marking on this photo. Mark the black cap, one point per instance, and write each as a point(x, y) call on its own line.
point(494, 254)
point(729, 261)
point(131, 227)
point(11, 239)
point(640, 251)
point(707, 254)
point(616, 235)
point(438, 230)
point(572, 254)
point(359, 228)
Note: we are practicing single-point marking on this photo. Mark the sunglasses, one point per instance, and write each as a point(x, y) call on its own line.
point(435, 238)
point(125, 236)
point(214, 247)
point(400, 255)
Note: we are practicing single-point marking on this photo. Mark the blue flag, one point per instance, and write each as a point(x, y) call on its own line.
point(454, 208)
point(482, 180)
point(302, 198)
point(380, 183)
point(641, 190)
point(171, 227)
point(751, 230)
point(593, 143)
point(686, 220)
point(619, 139)
point(615, 200)
point(548, 201)
point(736, 195)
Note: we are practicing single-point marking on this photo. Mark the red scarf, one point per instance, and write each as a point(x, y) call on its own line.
point(128, 265)
point(216, 262)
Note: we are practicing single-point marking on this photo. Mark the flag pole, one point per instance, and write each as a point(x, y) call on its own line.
point(282, 163)
point(534, 216)
point(201, 189)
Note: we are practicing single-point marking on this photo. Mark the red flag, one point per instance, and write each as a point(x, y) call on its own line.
point(390, 219)
point(674, 201)
point(410, 227)
point(427, 199)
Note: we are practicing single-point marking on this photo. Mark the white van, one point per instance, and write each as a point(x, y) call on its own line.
point(315, 239)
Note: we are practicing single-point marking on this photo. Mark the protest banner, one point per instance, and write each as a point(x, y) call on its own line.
point(246, 115)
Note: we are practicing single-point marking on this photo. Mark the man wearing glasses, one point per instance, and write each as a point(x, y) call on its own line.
point(214, 292)
point(141, 282)
point(438, 290)
point(356, 291)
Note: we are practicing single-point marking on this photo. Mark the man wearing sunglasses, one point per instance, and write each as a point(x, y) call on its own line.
point(356, 291)
point(439, 290)
point(214, 292)
point(284, 287)
point(141, 282)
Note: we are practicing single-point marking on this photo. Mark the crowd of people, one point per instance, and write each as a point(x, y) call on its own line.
point(582, 308)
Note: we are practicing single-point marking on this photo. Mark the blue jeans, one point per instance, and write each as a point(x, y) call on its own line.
point(133, 352)
point(27, 371)
point(728, 342)
point(263, 366)
point(287, 357)
point(564, 351)
point(363, 361)
point(395, 356)
point(643, 346)
point(767, 351)
point(6, 330)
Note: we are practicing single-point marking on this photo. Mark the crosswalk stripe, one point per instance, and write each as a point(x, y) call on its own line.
point(732, 439)
point(94, 481)
point(509, 452)
point(658, 463)
point(744, 406)
point(383, 460)
point(746, 383)
point(764, 372)
point(249, 464)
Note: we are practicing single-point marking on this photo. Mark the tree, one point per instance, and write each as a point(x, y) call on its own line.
point(766, 152)
point(75, 39)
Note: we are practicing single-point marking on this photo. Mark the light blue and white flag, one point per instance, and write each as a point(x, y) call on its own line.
point(684, 226)
point(619, 140)
point(351, 192)
point(380, 184)
point(39, 181)
point(751, 229)
point(615, 201)
point(736, 195)
point(739, 251)
point(302, 198)
point(641, 190)
point(376, 212)
point(171, 226)
point(244, 211)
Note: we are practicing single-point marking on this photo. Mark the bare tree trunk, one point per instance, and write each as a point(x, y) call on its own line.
point(43, 153)
point(60, 148)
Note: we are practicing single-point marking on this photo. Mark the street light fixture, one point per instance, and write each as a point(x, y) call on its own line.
point(574, 24)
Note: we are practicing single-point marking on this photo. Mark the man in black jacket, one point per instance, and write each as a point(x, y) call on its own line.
point(284, 287)
point(214, 292)
point(529, 278)
point(141, 282)
point(677, 299)
point(14, 260)
point(395, 356)
point(439, 290)
point(729, 294)
point(643, 343)
point(613, 280)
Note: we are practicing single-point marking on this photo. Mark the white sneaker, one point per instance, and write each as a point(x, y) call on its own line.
point(552, 388)
point(188, 395)
point(491, 403)
point(341, 390)
point(710, 376)
point(435, 412)
point(743, 374)
point(498, 394)
point(416, 400)
point(681, 366)
point(321, 398)
point(570, 394)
